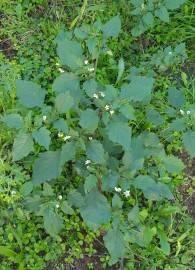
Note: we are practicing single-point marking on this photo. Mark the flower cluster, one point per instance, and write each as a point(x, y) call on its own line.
point(125, 193)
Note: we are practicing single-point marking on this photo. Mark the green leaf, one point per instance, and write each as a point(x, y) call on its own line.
point(30, 94)
point(5, 251)
point(121, 68)
point(95, 152)
point(90, 183)
point(61, 125)
point(70, 53)
point(120, 133)
point(96, 210)
point(165, 246)
point(89, 120)
point(112, 27)
point(175, 97)
point(13, 120)
point(133, 215)
point(151, 189)
point(75, 198)
point(68, 152)
point(66, 208)
point(115, 244)
point(138, 90)
point(170, 4)
point(23, 145)
point(47, 190)
point(66, 82)
point(42, 137)
point(154, 117)
point(90, 87)
point(46, 167)
point(148, 19)
point(64, 102)
point(110, 181)
point(128, 111)
point(162, 14)
point(116, 201)
point(26, 188)
point(53, 223)
point(189, 142)
point(173, 164)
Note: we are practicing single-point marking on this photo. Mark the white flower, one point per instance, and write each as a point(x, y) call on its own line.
point(60, 197)
point(44, 118)
point(111, 112)
point(13, 192)
point(188, 112)
point(88, 167)
point(60, 134)
point(102, 94)
point(66, 138)
point(142, 6)
point(127, 193)
point(57, 205)
point(87, 162)
point(90, 138)
point(182, 112)
point(91, 69)
point(61, 70)
point(107, 107)
point(86, 62)
point(109, 52)
point(57, 64)
point(117, 189)
point(95, 96)
point(170, 53)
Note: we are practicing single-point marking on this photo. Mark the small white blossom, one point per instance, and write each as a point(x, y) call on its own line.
point(44, 118)
point(90, 138)
point(13, 192)
point(111, 112)
point(60, 197)
point(188, 112)
point(142, 6)
point(170, 53)
point(87, 162)
point(61, 70)
point(102, 94)
point(66, 138)
point(117, 189)
point(88, 167)
point(91, 69)
point(109, 52)
point(60, 134)
point(95, 96)
point(86, 62)
point(57, 205)
point(107, 107)
point(182, 112)
point(127, 193)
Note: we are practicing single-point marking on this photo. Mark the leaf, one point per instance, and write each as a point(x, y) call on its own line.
point(138, 90)
point(46, 167)
point(89, 120)
point(64, 102)
point(154, 117)
point(66, 82)
point(128, 111)
point(47, 190)
point(165, 246)
point(96, 210)
point(90, 87)
point(13, 120)
point(151, 189)
point(66, 208)
point(148, 19)
point(23, 145)
point(26, 188)
point(95, 152)
point(90, 183)
point(175, 97)
point(189, 142)
point(170, 4)
point(5, 251)
point(53, 223)
point(178, 125)
point(112, 27)
point(120, 133)
point(70, 53)
point(110, 181)
point(173, 164)
point(75, 198)
point(116, 201)
point(133, 215)
point(42, 137)
point(115, 244)
point(30, 94)
point(68, 152)
point(162, 14)
point(61, 125)
point(121, 68)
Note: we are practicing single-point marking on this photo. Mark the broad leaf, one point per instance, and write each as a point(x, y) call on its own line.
point(90, 87)
point(133, 215)
point(175, 97)
point(154, 117)
point(61, 125)
point(128, 111)
point(68, 152)
point(12, 120)
point(110, 181)
point(90, 183)
point(162, 14)
point(66, 208)
point(148, 19)
point(165, 246)
point(189, 142)
point(75, 198)
point(66, 82)
point(53, 223)
point(30, 94)
point(117, 202)
point(42, 137)
point(120, 133)
point(112, 27)
point(89, 120)
point(96, 210)
point(170, 4)
point(26, 188)
point(173, 164)
point(23, 145)
point(121, 68)
point(95, 152)
point(64, 102)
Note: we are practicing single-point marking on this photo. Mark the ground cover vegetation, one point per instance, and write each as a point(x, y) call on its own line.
point(97, 134)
